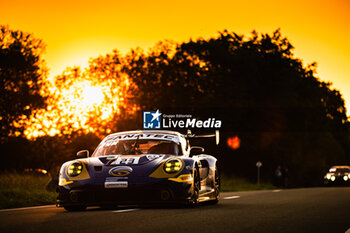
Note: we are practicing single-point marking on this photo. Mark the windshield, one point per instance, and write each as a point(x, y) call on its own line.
point(343, 170)
point(137, 147)
point(340, 170)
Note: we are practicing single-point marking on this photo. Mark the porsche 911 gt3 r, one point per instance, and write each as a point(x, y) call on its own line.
point(137, 167)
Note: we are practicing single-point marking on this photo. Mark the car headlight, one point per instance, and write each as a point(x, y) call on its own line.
point(332, 178)
point(75, 169)
point(345, 178)
point(328, 176)
point(173, 165)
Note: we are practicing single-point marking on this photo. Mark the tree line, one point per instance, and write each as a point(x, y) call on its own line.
point(281, 111)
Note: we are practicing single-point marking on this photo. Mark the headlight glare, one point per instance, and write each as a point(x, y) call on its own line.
point(75, 169)
point(172, 166)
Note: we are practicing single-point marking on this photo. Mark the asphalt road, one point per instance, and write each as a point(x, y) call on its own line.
point(294, 210)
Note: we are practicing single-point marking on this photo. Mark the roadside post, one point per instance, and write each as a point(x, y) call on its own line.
point(258, 165)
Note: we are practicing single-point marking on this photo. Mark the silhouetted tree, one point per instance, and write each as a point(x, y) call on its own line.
point(21, 76)
point(165, 78)
point(283, 112)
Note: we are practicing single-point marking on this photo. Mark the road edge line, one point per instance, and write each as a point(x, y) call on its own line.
point(125, 210)
point(231, 197)
point(27, 208)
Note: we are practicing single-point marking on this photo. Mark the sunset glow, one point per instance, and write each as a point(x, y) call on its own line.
point(76, 31)
point(81, 105)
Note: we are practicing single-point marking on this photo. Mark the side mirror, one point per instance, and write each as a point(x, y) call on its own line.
point(196, 150)
point(83, 154)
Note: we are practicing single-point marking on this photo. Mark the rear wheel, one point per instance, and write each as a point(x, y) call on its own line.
point(75, 208)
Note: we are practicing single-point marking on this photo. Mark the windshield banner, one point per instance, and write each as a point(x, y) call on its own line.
point(114, 139)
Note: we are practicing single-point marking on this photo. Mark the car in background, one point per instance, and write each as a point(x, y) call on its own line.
point(338, 175)
point(139, 167)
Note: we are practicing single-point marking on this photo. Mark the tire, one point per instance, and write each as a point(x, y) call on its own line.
point(75, 208)
point(196, 188)
point(217, 185)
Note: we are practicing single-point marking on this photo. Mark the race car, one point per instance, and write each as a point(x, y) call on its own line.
point(140, 167)
point(337, 175)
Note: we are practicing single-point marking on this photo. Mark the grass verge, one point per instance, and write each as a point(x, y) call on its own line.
point(21, 190)
point(232, 184)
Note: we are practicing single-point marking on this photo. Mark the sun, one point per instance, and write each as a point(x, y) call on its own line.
point(91, 95)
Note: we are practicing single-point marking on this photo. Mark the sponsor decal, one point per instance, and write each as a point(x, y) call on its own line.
point(114, 139)
point(157, 120)
point(116, 182)
point(120, 171)
point(152, 157)
point(126, 160)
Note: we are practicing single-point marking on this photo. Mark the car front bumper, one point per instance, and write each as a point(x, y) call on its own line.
point(163, 191)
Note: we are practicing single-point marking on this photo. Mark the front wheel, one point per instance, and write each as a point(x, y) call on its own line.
point(196, 187)
point(216, 186)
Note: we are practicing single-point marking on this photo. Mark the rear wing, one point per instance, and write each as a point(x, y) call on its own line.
point(190, 135)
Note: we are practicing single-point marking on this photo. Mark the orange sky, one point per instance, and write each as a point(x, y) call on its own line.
point(76, 30)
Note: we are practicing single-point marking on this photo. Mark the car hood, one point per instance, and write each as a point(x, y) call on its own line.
point(128, 160)
point(105, 166)
point(131, 159)
point(140, 165)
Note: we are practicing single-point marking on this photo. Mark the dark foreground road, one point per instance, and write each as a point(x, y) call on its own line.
point(295, 210)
